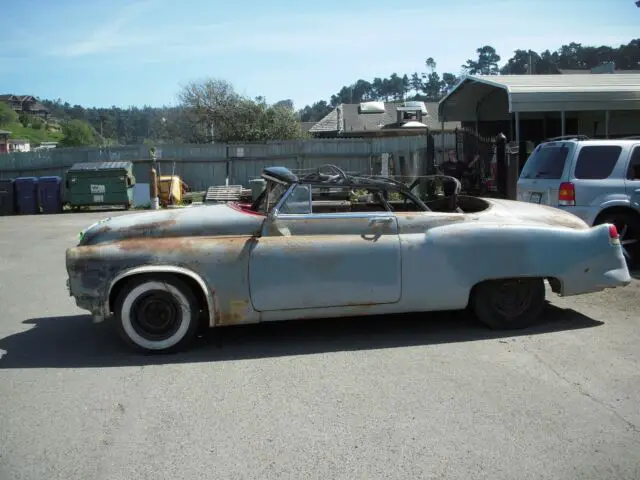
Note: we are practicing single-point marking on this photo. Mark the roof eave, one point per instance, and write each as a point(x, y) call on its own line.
point(472, 79)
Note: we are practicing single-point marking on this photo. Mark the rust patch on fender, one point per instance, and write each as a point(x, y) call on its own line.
point(179, 244)
point(237, 312)
point(204, 245)
point(146, 228)
point(216, 308)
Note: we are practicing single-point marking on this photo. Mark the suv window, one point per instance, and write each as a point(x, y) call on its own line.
point(597, 162)
point(547, 161)
point(633, 172)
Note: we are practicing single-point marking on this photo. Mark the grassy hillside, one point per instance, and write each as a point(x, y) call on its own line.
point(34, 136)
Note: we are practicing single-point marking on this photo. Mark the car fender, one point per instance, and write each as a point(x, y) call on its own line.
point(170, 269)
point(617, 203)
point(466, 254)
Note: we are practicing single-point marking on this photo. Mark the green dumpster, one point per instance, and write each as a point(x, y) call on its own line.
point(100, 184)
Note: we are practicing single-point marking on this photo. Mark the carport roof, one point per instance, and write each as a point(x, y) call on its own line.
point(544, 93)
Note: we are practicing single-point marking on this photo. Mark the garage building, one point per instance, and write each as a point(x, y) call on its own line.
point(535, 107)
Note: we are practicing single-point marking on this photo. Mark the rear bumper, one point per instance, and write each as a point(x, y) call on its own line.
point(611, 279)
point(608, 271)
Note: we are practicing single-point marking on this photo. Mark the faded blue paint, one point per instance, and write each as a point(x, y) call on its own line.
point(258, 268)
point(303, 264)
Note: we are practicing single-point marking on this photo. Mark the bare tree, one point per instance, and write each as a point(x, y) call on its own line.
point(231, 117)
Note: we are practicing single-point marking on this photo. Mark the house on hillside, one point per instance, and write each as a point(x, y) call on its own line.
point(388, 119)
point(19, 145)
point(45, 146)
point(25, 104)
point(4, 141)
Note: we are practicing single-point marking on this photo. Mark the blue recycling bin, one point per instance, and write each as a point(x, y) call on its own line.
point(50, 194)
point(7, 197)
point(26, 190)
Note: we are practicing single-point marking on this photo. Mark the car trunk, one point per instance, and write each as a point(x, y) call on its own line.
point(543, 173)
point(509, 211)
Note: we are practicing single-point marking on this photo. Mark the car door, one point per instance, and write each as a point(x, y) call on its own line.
point(320, 260)
point(632, 182)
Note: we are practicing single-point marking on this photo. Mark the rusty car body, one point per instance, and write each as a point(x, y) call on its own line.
point(302, 251)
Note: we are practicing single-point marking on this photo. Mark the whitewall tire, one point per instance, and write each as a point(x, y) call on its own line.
point(157, 314)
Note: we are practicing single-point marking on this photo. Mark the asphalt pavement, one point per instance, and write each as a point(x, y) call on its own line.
point(404, 397)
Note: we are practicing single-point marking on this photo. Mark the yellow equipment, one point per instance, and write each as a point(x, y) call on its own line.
point(170, 189)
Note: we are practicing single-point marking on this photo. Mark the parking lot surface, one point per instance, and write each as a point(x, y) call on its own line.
point(406, 397)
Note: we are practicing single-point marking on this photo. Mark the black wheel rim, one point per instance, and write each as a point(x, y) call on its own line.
point(156, 315)
point(628, 240)
point(512, 298)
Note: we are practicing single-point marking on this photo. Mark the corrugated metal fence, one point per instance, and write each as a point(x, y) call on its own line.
point(204, 165)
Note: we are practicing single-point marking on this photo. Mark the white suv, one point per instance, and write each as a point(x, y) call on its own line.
point(596, 180)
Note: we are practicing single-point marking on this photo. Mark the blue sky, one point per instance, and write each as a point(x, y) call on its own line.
point(128, 52)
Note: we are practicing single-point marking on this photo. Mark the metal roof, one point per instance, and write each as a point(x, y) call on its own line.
point(545, 93)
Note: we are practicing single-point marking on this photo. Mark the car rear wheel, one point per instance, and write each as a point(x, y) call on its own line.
point(157, 314)
point(509, 303)
point(628, 226)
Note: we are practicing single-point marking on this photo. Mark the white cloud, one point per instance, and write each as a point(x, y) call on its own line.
point(110, 35)
point(392, 36)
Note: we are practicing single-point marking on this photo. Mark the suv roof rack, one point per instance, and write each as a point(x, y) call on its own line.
point(568, 137)
point(631, 137)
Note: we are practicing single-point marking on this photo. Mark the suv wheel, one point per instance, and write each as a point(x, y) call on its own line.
point(628, 226)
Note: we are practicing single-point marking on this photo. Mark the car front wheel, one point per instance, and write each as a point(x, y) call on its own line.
point(509, 303)
point(157, 315)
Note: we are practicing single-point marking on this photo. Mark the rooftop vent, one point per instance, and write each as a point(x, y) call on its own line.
point(413, 106)
point(372, 107)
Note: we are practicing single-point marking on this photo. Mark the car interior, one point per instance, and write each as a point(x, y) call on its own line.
point(443, 197)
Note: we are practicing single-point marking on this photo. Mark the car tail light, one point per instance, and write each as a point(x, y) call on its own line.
point(567, 194)
point(613, 232)
point(614, 236)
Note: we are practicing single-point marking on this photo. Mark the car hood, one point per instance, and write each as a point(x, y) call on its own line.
point(524, 212)
point(206, 220)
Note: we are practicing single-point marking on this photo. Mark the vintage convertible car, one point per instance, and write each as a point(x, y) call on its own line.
point(334, 245)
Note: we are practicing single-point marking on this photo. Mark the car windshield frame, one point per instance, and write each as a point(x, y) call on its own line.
point(283, 181)
point(270, 197)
